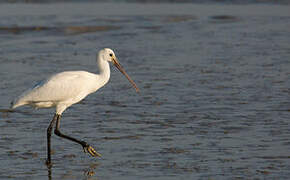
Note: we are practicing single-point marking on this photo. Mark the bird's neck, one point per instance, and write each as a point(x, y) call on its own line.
point(104, 69)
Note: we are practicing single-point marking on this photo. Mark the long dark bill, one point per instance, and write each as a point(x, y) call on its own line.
point(118, 65)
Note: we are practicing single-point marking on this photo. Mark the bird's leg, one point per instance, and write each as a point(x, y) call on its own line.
point(49, 129)
point(87, 148)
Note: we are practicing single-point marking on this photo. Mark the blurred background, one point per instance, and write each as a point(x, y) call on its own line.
point(213, 76)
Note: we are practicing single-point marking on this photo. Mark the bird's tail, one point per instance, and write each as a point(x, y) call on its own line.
point(12, 106)
point(16, 103)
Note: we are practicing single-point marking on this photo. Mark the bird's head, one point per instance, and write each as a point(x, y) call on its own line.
point(108, 54)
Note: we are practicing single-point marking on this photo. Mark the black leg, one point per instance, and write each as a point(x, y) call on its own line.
point(48, 135)
point(86, 146)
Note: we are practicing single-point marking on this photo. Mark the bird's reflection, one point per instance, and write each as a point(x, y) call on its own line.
point(87, 172)
point(90, 171)
point(49, 172)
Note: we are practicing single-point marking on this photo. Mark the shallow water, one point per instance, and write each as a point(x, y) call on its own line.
point(214, 81)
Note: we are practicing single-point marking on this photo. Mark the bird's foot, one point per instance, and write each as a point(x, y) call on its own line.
point(89, 149)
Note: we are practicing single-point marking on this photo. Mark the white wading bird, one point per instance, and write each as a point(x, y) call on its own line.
point(67, 88)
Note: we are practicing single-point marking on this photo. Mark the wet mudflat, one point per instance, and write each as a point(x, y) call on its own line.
point(214, 100)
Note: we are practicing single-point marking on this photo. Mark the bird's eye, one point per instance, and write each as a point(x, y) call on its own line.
point(111, 54)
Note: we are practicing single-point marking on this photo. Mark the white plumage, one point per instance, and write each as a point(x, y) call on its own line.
point(66, 88)
point(61, 90)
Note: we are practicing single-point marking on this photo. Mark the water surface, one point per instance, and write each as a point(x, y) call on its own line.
point(214, 81)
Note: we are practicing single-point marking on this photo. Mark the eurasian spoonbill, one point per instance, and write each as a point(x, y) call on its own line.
point(67, 88)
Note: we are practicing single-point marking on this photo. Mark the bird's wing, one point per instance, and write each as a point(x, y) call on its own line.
point(59, 87)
